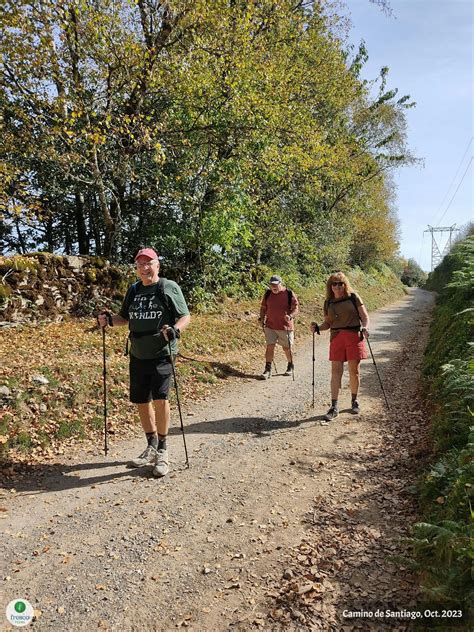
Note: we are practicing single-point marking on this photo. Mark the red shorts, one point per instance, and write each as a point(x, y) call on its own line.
point(347, 345)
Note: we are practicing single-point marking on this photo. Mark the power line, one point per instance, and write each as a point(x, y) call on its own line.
point(454, 179)
point(457, 189)
point(421, 247)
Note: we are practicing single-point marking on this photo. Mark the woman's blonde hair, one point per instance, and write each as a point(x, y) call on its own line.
point(337, 276)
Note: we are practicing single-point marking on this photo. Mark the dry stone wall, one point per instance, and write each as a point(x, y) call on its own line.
point(43, 286)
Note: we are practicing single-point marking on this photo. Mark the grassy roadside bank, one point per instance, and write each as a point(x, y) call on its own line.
point(53, 371)
point(443, 553)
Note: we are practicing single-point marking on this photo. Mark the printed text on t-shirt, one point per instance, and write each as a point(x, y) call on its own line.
point(145, 308)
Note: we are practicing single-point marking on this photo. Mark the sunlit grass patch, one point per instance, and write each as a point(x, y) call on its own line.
point(21, 441)
point(72, 428)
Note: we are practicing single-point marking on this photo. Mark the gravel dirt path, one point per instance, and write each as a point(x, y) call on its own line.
point(280, 523)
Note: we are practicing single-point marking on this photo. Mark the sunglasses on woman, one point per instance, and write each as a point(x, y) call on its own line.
point(337, 283)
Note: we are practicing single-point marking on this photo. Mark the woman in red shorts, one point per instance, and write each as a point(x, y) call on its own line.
point(346, 317)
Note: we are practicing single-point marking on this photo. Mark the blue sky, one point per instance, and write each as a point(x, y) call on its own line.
point(428, 47)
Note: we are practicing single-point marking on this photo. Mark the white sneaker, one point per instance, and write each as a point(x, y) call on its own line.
point(148, 457)
point(161, 464)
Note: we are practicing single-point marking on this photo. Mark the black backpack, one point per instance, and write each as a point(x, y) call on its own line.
point(352, 299)
point(289, 292)
point(352, 296)
point(164, 298)
point(159, 292)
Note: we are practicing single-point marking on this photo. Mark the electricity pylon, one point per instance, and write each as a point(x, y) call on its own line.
point(436, 253)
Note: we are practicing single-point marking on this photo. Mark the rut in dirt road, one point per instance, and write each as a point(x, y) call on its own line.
point(280, 522)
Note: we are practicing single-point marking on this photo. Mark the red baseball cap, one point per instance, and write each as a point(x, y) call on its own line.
point(146, 252)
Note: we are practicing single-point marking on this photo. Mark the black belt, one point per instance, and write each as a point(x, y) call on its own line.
point(347, 328)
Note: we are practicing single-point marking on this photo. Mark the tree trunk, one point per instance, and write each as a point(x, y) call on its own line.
point(94, 233)
point(49, 232)
point(21, 241)
point(205, 208)
point(68, 236)
point(111, 222)
point(82, 238)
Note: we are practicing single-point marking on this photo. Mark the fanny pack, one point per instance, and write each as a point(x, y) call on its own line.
point(141, 334)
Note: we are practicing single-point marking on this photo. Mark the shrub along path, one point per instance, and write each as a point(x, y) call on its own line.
point(280, 522)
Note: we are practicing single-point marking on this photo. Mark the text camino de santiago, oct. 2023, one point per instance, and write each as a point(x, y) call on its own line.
point(402, 614)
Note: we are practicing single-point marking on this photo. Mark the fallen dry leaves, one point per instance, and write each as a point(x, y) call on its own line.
point(56, 384)
point(352, 555)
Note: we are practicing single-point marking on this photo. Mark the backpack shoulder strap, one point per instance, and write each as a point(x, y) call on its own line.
point(354, 302)
point(160, 291)
point(132, 293)
point(266, 295)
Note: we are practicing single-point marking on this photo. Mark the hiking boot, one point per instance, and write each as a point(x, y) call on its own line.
point(267, 373)
point(161, 464)
point(355, 408)
point(148, 457)
point(331, 414)
point(289, 369)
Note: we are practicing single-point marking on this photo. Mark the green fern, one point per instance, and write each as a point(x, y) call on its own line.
point(442, 545)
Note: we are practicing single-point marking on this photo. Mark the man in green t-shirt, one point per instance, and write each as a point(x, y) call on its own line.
point(156, 312)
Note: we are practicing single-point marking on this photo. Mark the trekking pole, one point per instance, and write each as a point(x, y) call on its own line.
point(104, 379)
point(378, 375)
point(179, 405)
point(316, 331)
point(291, 355)
point(104, 374)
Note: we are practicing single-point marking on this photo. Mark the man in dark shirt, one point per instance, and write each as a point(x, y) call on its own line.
point(156, 312)
point(278, 309)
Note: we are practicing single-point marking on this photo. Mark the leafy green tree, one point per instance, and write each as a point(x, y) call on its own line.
point(413, 275)
point(233, 136)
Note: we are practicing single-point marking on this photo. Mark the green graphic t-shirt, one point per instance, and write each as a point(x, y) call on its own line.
point(147, 312)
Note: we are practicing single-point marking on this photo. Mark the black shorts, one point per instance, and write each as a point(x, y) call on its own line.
point(149, 379)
